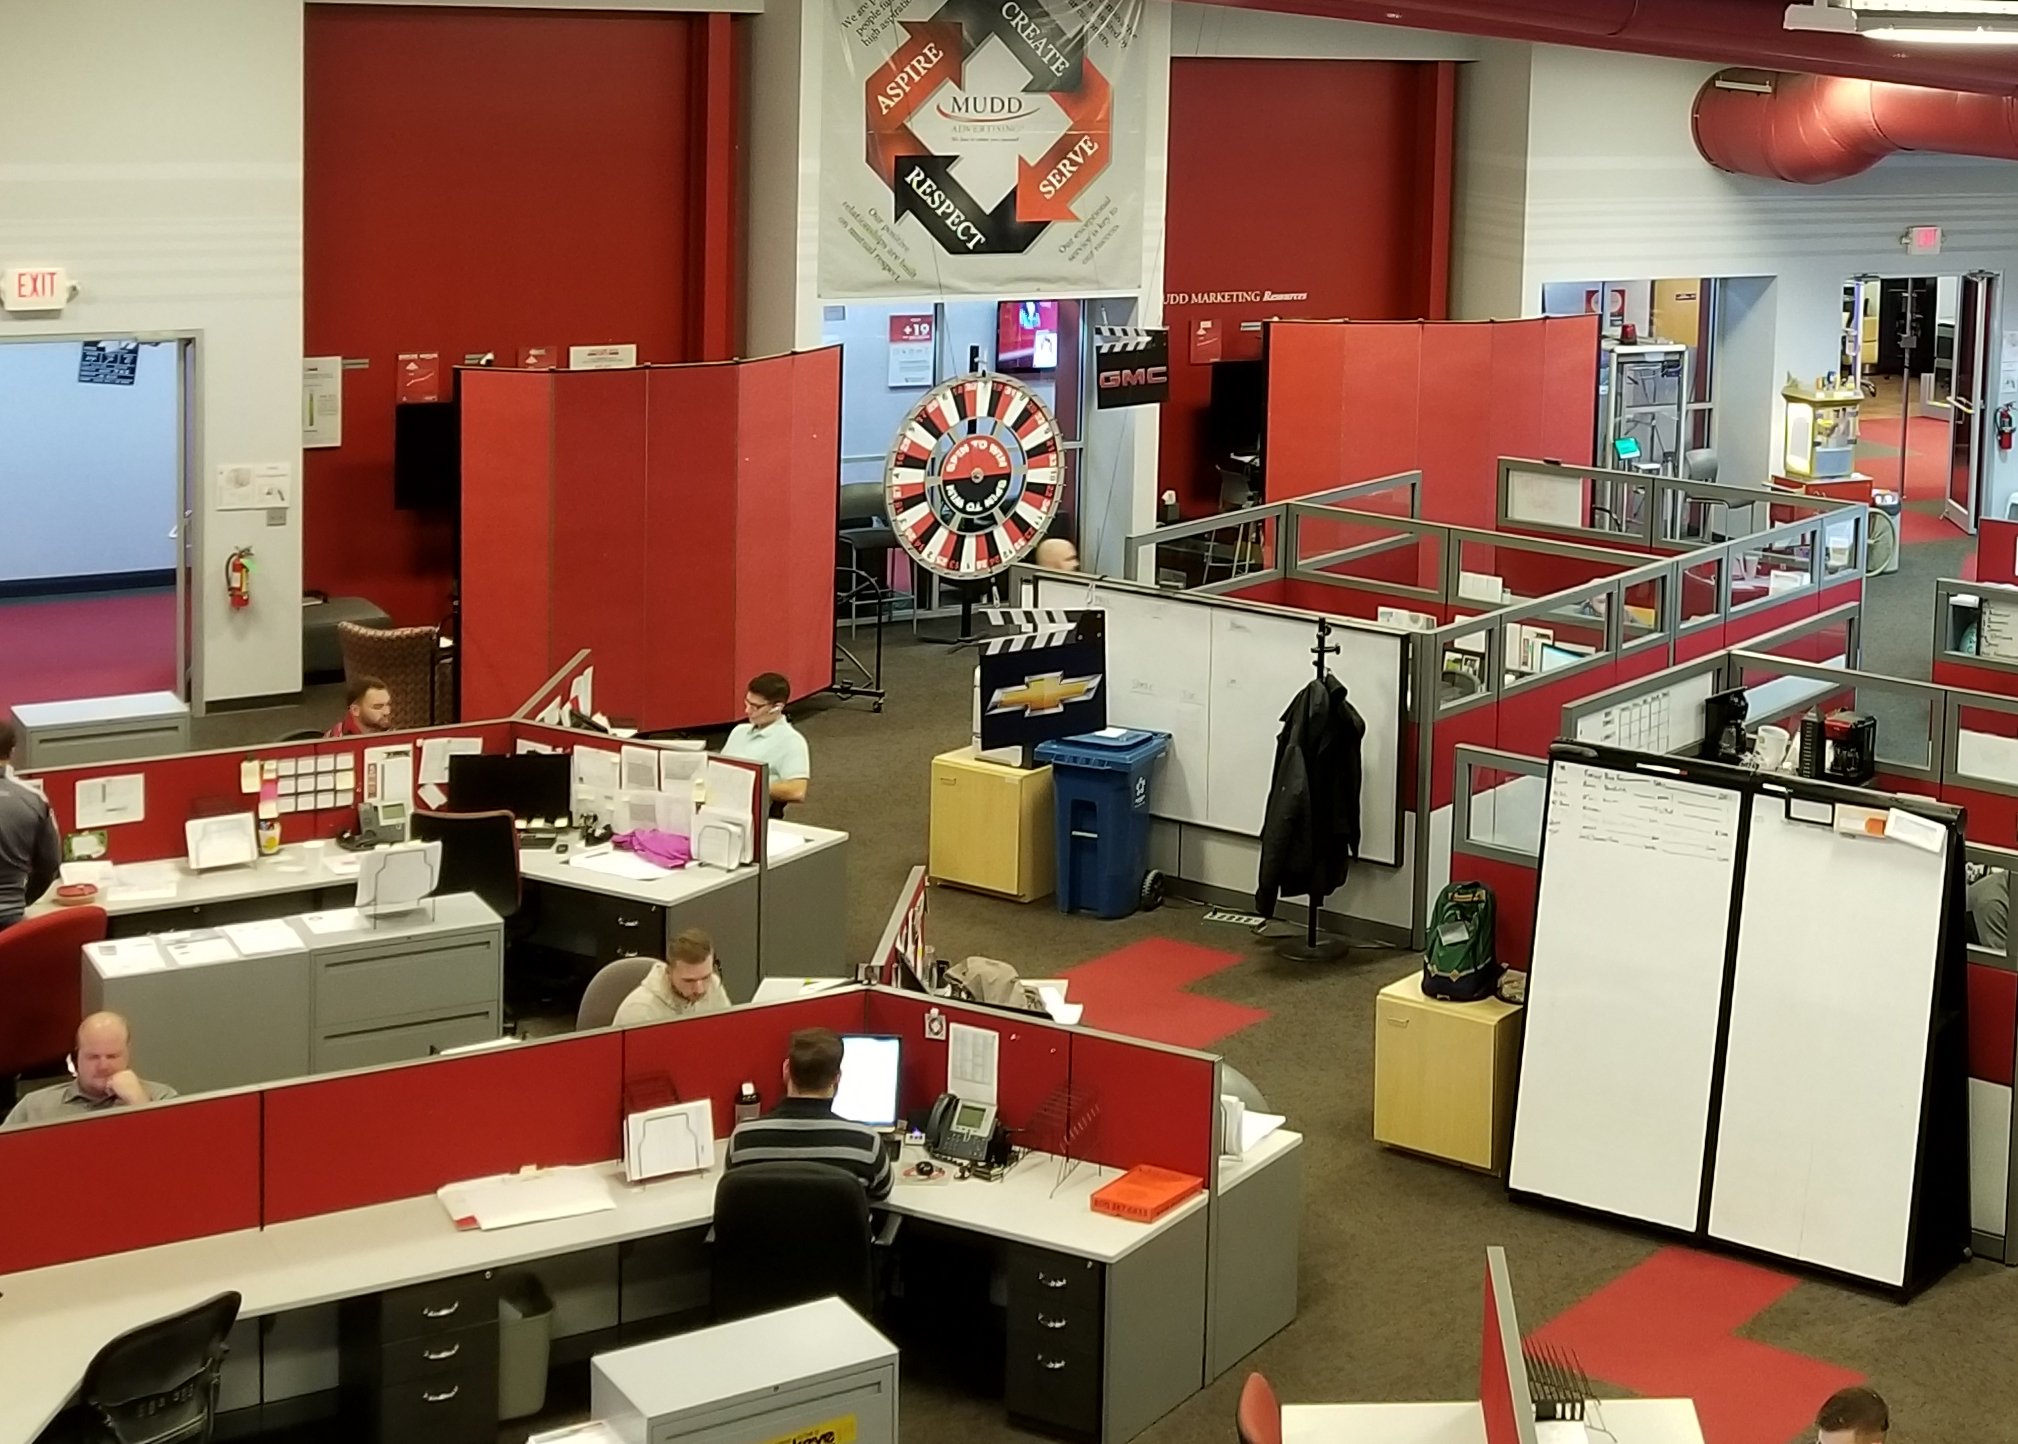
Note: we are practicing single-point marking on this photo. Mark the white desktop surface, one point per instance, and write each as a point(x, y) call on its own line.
point(1233, 1171)
point(542, 864)
point(52, 1320)
point(810, 841)
point(1630, 1421)
point(127, 707)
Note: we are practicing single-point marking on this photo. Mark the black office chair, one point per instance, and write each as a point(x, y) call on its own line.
point(865, 540)
point(789, 1233)
point(156, 1384)
point(479, 854)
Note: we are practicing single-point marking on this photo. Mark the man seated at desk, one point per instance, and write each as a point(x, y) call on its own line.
point(803, 1127)
point(367, 708)
point(29, 850)
point(105, 1078)
point(687, 983)
point(768, 737)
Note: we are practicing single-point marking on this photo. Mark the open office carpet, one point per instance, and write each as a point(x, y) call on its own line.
point(98, 644)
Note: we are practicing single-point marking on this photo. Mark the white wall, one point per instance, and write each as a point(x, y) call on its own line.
point(155, 150)
point(1615, 187)
point(1489, 172)
point(89, 474)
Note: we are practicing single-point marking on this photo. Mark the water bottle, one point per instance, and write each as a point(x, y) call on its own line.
point(748, 1105)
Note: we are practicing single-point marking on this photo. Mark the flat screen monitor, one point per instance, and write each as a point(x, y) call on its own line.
point(868, 1091)
point(426, 455)
point(536, 787)
point(1627, 450)
point(1553, 656)
point(1026, 336)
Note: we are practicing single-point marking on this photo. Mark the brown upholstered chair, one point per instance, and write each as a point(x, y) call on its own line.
point(408, 660)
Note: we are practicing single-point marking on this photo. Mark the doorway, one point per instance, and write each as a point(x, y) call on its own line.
point(94, 557)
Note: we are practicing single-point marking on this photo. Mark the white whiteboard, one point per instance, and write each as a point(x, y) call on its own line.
point(1631, 918)
point(1218, 678)
point(1826, 1056)
point(1668, 720)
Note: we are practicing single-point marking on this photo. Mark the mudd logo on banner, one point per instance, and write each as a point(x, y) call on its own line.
point(982, 146)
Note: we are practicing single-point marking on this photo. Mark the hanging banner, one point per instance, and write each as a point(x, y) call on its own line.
point(983, 147)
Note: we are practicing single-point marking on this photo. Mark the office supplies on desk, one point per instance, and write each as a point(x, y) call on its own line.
point(338, 920)
point(958, 1131)
point(127, 957)
point(194, 949)
point(144, 882)
point(613, 863)
point(229, 841)
point(397, 879)
point(510, 1199)
point(1145, 1193)
point(869, 1073)
point(269, 935)
point(678, 1138)
point(720, 839)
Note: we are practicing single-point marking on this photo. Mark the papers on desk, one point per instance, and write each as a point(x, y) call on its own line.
point(108, 801)
point(679, 1138)
point(1241, 1128)
point(338, 920)
point(640, 769)
point(510, 1199)
point(1061, 1011)
point(144, 882)
point(597, 771)
point(680, 762)
point(195, 949)
point(127, 957)
point(342, 864)
point(269, 935)
point(96, 873)
point(615, 863)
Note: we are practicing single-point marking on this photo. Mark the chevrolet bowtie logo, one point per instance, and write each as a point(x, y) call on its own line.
point(1043, 695)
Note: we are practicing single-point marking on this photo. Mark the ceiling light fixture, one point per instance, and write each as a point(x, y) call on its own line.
point(1919, 22)
point(1942, 35)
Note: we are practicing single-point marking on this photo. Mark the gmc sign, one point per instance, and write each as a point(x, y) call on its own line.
point(1131, 366)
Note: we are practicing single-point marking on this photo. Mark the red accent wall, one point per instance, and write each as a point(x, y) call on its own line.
point(481, 180)
point(1350, 162)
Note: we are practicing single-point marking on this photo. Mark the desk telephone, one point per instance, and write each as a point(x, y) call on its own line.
point(960, 1132)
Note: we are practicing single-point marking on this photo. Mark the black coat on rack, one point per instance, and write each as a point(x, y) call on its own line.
point(1310, 834)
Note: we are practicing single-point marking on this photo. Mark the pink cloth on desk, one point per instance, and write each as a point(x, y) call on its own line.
point(667, 849)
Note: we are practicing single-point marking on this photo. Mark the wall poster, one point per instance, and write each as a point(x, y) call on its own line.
point(983, 147)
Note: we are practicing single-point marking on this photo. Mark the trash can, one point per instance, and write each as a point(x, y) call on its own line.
point(1101, 782)
point(525, 1328)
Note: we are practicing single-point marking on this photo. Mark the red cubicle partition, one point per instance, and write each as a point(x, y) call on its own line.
point(363, 1138)
point(713, 1055)
point(1144, 1104)
point(1035, 1061)
point(1355, 399)
point(678, 520)
point(132, 1179)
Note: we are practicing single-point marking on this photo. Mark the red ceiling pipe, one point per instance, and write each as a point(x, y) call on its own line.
point(1814, 128)
point(1722, 32)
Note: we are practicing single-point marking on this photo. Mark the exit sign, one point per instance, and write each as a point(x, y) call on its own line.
point(34, 288)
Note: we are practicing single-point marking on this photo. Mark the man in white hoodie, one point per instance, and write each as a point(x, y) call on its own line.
point(686, 984)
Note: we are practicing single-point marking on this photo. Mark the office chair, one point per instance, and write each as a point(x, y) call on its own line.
point(40, 972)
point(156, 1384)
point(1259, 1417)
point(406, 659)
point(866, 540)
point(789, 1233)
point(1700, 464)
point(607, 990)
point(479, 854)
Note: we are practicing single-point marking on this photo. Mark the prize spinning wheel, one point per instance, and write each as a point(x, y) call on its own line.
point(974, 476)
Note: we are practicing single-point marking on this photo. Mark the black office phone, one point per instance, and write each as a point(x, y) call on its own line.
point(957, 1132)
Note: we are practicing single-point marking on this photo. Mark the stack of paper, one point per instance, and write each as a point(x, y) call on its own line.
point(194, 949)
point(268, 936)
point(679, 1138)
point(510, 1199)
point(145, 881)
point(127, 957)
point(341, 920)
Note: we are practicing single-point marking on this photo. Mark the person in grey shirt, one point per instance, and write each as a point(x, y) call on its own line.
point(105, 1078)
point(1989, 903)
point(29, 850)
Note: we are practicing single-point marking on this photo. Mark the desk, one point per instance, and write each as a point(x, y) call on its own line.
point(1152, 1276)
point(1631, 1421)
point(388, 991)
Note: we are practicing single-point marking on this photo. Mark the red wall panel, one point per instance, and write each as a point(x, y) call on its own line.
point(400, 1133)
point(601, 560)
point(1510, 422)
point(1035, 1060)
point(1996, 550)
point(1569, 399)
point(691, 521)
point(481, 180)
point(764, 557)
point(1349, 160)
point(714, 1055)
point(806, 560)
point(1143, 1105)
point(1531, 718)
point(1456, 356)
point(1993, 1014)
point(507, 519)
point(192, 1170)
point(1307, 438)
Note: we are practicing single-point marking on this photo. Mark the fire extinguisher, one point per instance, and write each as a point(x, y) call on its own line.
point(2004, 427)
point(238, 578)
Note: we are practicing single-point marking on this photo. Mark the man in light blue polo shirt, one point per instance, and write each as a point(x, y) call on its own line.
point(768, 738)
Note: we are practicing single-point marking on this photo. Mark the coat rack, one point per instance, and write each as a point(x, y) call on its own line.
point(1314, 947)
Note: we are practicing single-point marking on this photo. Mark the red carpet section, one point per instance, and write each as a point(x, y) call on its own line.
point(1878, 441)
point(1142, 991)
point(1669, 1329)
point(87, 646)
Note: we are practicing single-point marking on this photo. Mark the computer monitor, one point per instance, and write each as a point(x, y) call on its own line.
point(534, 787)
point(868, 1091)
point(1552, 656)
point(1627, 450)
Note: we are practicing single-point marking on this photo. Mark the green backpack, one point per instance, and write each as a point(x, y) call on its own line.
point(1458, 965)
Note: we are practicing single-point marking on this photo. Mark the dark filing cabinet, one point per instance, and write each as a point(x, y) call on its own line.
point(1052, 1375)
point(422, 1362)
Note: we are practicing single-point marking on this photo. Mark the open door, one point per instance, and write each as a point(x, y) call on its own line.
point(1969, 401)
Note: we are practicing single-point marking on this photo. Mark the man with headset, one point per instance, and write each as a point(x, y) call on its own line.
point(105, 1078)
point(688, 982)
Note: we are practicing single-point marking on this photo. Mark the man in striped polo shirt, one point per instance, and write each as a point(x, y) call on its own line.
point(803, 1127)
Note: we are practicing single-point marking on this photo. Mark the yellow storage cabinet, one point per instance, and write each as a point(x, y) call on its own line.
point(991, 827)
point(1443, 1075)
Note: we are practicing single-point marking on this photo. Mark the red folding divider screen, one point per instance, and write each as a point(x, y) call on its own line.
point(713, 1055)
point(127, 1179)
point(1993, 1023)
point(506, 596)
point(1034, 1063)
point(693, 456)
point(363, 1138)
point(1144, 1104)
point(598, 545)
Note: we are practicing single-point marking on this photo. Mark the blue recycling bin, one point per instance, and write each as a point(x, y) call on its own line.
point(1101, 783)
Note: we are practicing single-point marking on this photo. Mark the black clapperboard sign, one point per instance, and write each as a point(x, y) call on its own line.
point(108, 363)
point(1131, 366)
point(1048, 682)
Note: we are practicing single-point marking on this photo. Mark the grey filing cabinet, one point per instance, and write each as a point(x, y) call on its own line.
point(422, 1362)
point(778, 1375)
point(403, 988)
point(101, 729)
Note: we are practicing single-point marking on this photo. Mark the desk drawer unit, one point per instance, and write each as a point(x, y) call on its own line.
point(1056, 1313)
point(422, 1362)
point(373, 1045)
point(361, 986)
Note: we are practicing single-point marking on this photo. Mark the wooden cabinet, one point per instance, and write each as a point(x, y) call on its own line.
point(1443, 1075)
point(992, 827)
